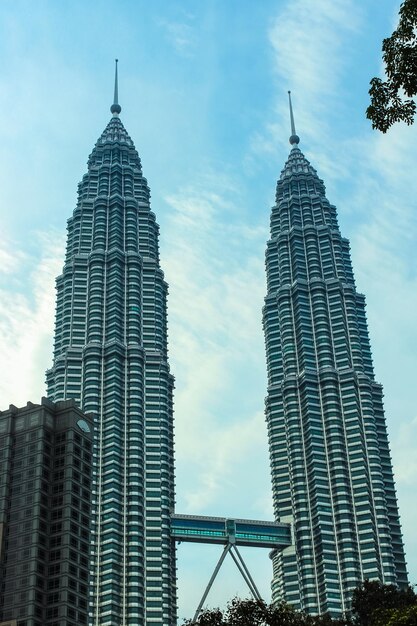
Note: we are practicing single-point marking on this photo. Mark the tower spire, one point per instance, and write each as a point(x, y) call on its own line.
point(294, 139)
point(115, 107)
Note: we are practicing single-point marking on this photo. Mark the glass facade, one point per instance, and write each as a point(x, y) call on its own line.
point(330, 459)
point(110, 355)
point(202, 529)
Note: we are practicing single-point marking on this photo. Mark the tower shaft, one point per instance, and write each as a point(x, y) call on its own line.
point(110, 355)
point(330, 460)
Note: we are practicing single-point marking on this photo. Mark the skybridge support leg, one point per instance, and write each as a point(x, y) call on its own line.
point(241, 565)
point(211, 581)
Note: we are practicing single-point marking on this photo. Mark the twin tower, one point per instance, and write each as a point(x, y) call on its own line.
point(332, 482)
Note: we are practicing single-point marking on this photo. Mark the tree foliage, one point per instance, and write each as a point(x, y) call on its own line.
point(392, 99)
point(373, 604)
point(257, 613)
point(398, 617)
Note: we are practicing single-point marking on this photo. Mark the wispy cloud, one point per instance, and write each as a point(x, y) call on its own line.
point(215, 338)
point(181, 34)
point(309, 40)
point(26, 321)
point(10, 258)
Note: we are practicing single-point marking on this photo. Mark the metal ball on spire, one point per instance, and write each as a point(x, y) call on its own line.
point(294, 139)
point(115, 107)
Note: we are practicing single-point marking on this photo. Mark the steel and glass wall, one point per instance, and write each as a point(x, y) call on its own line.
point(330, 460)
point(110, 355)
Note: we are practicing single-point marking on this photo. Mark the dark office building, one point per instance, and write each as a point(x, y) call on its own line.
point(45, 467)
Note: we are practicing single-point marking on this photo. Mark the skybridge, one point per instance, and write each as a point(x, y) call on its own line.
point(230, 533)
point(221, 530)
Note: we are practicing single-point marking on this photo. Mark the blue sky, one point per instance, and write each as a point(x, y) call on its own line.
point(203, 89)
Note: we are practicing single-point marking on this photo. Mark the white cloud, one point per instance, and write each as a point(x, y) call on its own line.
point(216, 343)
point(309, 39)
point(27, 308)
point(10, 258)
point(180, 33)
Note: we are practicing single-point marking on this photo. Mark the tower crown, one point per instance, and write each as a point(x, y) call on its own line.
point(296, 162)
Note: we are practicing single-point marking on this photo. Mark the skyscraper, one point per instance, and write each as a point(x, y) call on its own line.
point(330, 460)
point(110, 355)
point(45, 493)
